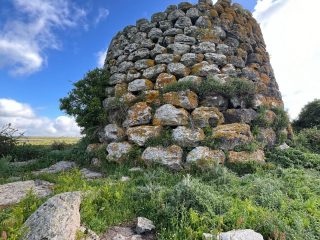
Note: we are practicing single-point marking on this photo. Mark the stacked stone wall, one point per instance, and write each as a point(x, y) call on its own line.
point(181, 74)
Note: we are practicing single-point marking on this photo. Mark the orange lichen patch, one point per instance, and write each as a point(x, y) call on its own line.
point(232, 131)
point(151, 96)
point(270, 102)
point(227, 16)
point(241, 53)
point(213, 13)
point(121, 89)
point(235, 157)
point(197, 68)
point(185, 99)
point(264, 78)
point(149, 84)
point(139, 135)
point(165, 79)
point(219, 8)
point(230, 11)
point(261, 87)
point(138, 114)
point(150, 62)
point(254, 66)
point(207, 116)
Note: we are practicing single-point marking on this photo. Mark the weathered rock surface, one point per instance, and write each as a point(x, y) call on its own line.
point(89, 234)
point(170, 156)
point(12, 193)
point(89, 174)
point(139, 135)
point(138, 114)
point(144, 225)
point(205, 157)
point(58, 218)
point(112, 133)
point(236, 157)
point(229, 136)
point(246, 234)
point(185, 99)
point(116, 151)
point(168, 115)
point(207, 117)
point(187, 137)
point(56, 168)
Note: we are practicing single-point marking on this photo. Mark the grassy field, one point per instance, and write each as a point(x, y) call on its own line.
point(48, 140)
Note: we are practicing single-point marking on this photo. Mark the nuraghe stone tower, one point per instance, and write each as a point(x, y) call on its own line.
point(192, 85)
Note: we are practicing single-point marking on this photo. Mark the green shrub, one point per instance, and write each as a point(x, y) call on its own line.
point(294, 158)
point(309, 116)
point(281, 120)
point(8, 139)
point(84, 102)
point(309, 139)
point(57, 145)
point(27, 152)
point(233, 88)
point(164, 139)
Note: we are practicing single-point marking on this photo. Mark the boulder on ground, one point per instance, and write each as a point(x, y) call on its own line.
point(246, 234)
point(12, 193)
point(170, 156)
point(56, 168)
point(144, 225)
point(228, 136)
point(89, 174)
point(58, 218)
point(239, 157)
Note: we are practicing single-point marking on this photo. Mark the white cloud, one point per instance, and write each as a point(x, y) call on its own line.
point(23, 118)
point(102, 14)
point(31, 30)
point(292, 36)
point(101, 55)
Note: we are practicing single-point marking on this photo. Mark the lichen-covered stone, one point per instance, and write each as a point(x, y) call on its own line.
point(190, 59)
point(151, 96)
point(153, 72)
point(170, 156)
point(166, 58)
point(178, 48)
point(267, 137)
point(204, 69)
point(120, 89)
point(240, 115)
point(57, 218)
point(215, 100)
point(185, 99)
point(168, 115)
point(139, 135)
point(184, 39)
point(140, 85)
point(155, 34)
point(216, 58)
point(193, 13)
point(228, 136)
point(246, 234)
point(144, 225)
point(175, 15)
point(204, 47)
point(187, 137)
point(207, 117)
point(205, 157)
point(164, 79)
point(117, 78)
point(112, 133)
point(183, 22)
point(178, 69)
point(144, 64)
point(118, 150)
point(193, 79)
point(138, 114)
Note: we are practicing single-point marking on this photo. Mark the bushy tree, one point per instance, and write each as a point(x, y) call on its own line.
point(309, 116)
point(84, 102)
point(8, 139)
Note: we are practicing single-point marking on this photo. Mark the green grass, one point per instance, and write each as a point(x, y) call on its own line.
point(279, 199)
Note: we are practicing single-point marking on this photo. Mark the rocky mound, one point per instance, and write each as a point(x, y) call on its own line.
point(192, 84)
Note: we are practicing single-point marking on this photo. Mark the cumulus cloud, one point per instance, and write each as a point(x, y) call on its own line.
point(292, 36)
point(101, 56)
point(31, 30)
point(23, 117)
point(103, 13)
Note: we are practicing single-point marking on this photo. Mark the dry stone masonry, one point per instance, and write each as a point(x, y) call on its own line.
point(196, 76)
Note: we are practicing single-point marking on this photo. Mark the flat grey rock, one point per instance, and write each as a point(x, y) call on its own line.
point(12, 193)
point(56, 219)
point(88, 174)
point(56, 168)
point(245, 234)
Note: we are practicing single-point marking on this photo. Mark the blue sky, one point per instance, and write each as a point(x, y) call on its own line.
point(45, 45)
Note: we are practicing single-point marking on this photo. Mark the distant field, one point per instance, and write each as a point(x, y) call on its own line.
point(48, 140)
